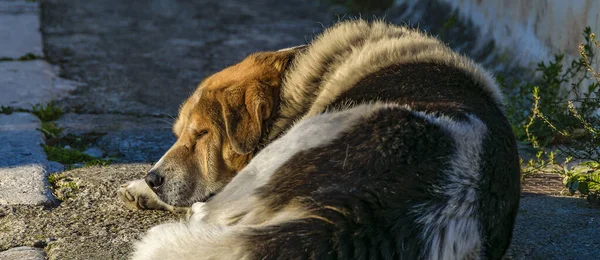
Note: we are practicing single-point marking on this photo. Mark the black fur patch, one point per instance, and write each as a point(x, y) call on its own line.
point(442, 89)
point(365, 185)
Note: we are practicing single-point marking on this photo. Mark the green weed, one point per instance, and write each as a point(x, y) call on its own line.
point(29, 56)
point(9, 110)
point(50, 130)
point(98, 162)
point(66, 156)
point(63, 187)
point(563, 113)
point(46, 113)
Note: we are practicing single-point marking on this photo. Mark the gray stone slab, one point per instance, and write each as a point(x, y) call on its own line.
point(146, 57)
point(136, 146)
point(22, 161)
point(19, 7)
point(26, 83)
point(79, 124)
point(23, 253)
point(20, 141)
point(19, 29)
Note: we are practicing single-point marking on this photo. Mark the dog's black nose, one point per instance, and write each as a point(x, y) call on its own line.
point(154, 180)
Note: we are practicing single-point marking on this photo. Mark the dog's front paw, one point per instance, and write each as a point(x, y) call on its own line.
point(137, 195)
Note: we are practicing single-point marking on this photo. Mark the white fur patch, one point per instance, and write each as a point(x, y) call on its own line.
point(452, 228)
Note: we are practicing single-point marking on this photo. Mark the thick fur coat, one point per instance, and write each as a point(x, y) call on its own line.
point(385, 144)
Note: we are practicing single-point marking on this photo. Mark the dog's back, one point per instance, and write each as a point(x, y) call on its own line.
point(449, 97)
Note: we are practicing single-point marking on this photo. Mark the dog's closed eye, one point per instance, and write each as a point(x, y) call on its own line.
point(201, 134)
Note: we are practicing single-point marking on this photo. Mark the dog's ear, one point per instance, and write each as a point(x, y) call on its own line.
point(245, 112)
point(249, 103)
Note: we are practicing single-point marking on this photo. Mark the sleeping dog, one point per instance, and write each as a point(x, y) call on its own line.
point(374, 141)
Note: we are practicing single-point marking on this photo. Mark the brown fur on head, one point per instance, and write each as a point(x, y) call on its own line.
point(220, 127)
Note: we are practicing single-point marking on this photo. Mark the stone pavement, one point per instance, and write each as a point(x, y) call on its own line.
point(23, 164)
point(120, 70)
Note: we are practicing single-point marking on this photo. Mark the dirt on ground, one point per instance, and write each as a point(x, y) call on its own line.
point(89, 224)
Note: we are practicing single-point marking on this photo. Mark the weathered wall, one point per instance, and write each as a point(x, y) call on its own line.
point(530, 30)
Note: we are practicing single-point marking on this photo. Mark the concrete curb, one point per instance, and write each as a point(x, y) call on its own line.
point(23, 163)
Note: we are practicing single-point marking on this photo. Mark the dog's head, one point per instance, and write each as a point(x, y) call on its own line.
point(219, 128)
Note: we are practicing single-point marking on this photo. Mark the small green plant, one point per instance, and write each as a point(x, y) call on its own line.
point(66, 156)
point(543, 162)
point(565, 116)
point(558, 86)
point(29, 56)
point(70, 157)
point(50, 130)
point(9, 110)
point(46, 113)
point(63, 186)
point(26, 57)
point(585, 178)
point(53, 178)
point(68, 149)
point(98, 162)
